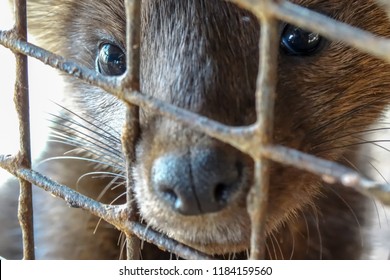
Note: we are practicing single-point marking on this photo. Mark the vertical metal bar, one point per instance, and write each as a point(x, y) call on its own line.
point(21, 98)
point(265, 99)
point(130, 132)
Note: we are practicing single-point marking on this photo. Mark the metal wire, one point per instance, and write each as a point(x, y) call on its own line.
point(254, 140)
point(21, 98)
point(131, 128)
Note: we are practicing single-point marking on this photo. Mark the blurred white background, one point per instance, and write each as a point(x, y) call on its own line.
point(45, 87)
point(8, 129)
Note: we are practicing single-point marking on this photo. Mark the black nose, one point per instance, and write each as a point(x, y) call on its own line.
point(199, 182)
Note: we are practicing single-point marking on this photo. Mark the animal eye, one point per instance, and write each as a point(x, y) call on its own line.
point(299, 42)
point(111, 60)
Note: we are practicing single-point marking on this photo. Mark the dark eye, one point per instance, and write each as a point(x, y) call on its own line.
point(299, 42)
point(111, 60)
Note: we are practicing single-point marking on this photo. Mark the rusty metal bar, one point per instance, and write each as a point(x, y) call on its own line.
point(327, 27)
point(265, 99)
point(170, 245)
point(130, 132)
point(116, 215)
point(133, 37)
point(332, 29)
point(21, 99)
point(8, 40)
point(72, 197)
point(330, 172)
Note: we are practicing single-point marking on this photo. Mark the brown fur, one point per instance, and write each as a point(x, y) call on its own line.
point(203, 56)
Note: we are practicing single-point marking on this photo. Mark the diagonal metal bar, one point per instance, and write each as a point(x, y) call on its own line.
point(330, 172)
point(170, 245)
point(332, 29)
point(328, 27)
point(8, 40)
point(116, 215)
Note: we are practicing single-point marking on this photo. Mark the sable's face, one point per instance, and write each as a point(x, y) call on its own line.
point(203, 56)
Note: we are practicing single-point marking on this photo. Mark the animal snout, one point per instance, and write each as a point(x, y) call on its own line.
point(197, 182)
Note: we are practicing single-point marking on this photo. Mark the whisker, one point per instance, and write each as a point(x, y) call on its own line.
point(278, 245)
point(377, 213)
point(97, 225)
point(378, 172)
point(123, 243)
point(93, 138)
point(98, 121)
point(273, 247)
point(62, 122)
point(87, 138)
point(106, 188)
point(373, 142)
point(103, 175)
point(357, 132)
point(113, 201)
point(374, 201)
point(145, 232)
point(351, 164)
point(79, 158)
point(79, 142)
point(308, 241)
point(95, 153)
point(315, 214)
point(293, 242)
point(343, 116)
point(351, 211)
point(117, 198)
point(268, 250)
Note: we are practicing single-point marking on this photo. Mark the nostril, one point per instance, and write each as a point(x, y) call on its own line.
point(221, 193)
point(223, 190)
point(168, 193)
point(172, 197)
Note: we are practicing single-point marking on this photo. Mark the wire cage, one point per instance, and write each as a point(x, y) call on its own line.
point(254, 140)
